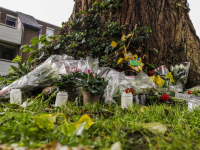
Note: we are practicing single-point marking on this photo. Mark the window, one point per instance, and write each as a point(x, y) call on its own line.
point(40, 32)
point(49, 32)
point(8, 53)
point(10, 20)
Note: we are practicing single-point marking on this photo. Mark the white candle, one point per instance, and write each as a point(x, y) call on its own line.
point(15, 96)
point(127, 100)
point(61, 99)
point(193, 103)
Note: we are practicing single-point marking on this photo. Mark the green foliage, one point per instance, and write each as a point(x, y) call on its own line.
point(90, 37)
point(16, 72)
point(68, 82)
point(196, 92)
point(35, 55)
point(133, 129)
point(92, 83)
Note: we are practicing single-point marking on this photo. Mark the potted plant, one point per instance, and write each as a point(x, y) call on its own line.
point(69, 83)
point(93, 87)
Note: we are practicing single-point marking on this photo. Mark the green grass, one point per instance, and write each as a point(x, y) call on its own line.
point(112, 124)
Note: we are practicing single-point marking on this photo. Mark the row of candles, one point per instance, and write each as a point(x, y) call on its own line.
point(62, 97)
point(16, 98)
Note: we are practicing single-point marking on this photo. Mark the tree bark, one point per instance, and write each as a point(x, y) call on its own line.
point(173, 33)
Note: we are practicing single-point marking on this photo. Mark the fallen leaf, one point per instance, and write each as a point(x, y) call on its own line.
point(52, 145)
point(45, 121)
point(156, 127)
point(87, 119)
point(123, 38)
point(119, 61)
point(144, 108)
point(116, 146)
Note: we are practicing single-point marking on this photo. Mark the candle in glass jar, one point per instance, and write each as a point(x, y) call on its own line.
point(15, 96)
point(193, 103)
point(127, 100)
point(61, 99)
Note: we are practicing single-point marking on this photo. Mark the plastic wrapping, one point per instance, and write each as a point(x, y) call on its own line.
point(180, 75)
point(92, 64)
point(193, 103)
point(42, 76)
point(162, 71)
point(142, 81)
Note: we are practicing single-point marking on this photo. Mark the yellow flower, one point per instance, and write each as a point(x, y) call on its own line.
point(114, 44)
point(170, 76)
point(158, 81)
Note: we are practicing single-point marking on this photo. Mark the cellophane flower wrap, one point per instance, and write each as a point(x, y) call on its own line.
point(180, 73)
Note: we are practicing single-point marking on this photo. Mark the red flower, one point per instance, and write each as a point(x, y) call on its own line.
point(190, 92)
point(130, 90)
point(165, 97)
point(151, 73)
point(127, 90)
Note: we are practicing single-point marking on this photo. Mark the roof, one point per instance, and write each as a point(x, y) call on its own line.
point(28, 20)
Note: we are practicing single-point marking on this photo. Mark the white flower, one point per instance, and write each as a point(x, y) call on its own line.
point(182, 66)
point(176, 67)
point(172, 68)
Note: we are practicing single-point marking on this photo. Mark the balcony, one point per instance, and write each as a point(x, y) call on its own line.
point(10, 34)
point(5, 66)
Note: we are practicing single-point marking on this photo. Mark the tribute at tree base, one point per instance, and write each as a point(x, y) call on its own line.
point(173, 33)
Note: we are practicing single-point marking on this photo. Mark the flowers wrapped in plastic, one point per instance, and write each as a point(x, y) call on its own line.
point(180, 72)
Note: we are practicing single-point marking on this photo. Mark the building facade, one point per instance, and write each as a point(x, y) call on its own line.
point(16, 30)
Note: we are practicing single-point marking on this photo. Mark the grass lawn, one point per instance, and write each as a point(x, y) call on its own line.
point(111, 124)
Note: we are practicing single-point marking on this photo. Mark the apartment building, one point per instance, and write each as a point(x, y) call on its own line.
point(16, 30)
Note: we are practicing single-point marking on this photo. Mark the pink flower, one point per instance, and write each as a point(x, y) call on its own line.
point(74, 69)
point(67, 69)
point(88, 71)
point(94, 75)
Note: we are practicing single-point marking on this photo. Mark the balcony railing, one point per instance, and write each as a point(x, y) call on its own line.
point(10, 34)
point(9, 26)
point(5, 66)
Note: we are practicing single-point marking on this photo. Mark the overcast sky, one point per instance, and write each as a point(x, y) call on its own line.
point(58, 11)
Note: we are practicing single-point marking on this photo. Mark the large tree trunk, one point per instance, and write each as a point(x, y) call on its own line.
point(173, 34)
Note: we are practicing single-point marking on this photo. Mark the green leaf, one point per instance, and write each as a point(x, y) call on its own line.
point(17, 59)
point(31, 58)
point(15, 69)
point(90, 78)
point(43, 38)
point(35, 41)
point(26, 49)
point(67, 129)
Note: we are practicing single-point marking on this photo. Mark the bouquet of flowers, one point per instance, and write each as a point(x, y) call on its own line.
point(180, 73)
